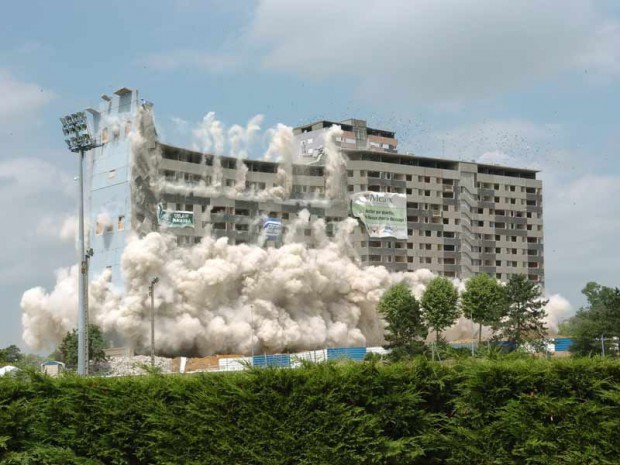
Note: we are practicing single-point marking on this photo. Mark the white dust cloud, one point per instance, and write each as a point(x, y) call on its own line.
point(335, 164)
point(557, 309)
point(299, 296)
point(209, 135)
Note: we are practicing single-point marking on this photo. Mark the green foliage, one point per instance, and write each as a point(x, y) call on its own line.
point(440, 304)
point(601, 317)
point(484, 301)
point(405, 330)
point(524, 319)
point(68, 348)
point(10, 355)
point(415, 412)
point(47, 455)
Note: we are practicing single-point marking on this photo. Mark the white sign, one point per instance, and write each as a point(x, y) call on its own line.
point(384, 214)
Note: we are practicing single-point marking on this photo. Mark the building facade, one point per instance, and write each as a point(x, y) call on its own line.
point(462, 218)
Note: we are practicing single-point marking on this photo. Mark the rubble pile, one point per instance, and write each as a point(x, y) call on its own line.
point(137, 365)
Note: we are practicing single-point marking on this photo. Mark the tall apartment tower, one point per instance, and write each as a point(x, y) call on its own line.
point(109, 205)
point(462, 218)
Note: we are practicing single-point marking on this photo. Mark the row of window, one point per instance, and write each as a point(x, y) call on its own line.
point(443, 181)
point(510, 201)
point(508, 188)
point(449, 247)
point(443, 261)
point(116, 132)
point(402, 177)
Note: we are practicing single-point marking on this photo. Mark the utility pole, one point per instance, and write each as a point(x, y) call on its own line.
point(154, 281)
point(75, 126)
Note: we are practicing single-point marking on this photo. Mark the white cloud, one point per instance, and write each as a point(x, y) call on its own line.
point(191, 59)
point(57, 227)
point(583, 215)
point(428, 50)
point(32, 177)
point(20, 98)
point(603, 57)
point(30, 190)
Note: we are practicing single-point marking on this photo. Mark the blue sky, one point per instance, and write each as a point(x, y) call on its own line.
point(531, 83)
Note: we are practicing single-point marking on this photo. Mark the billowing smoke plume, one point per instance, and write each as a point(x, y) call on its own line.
point(46, 317)
point(241, 139)
point(209, 135)
point(283, 149)
point(209, 296)
point(335, 164)
point(557, 309)
point(209, 138)
point(303, 295)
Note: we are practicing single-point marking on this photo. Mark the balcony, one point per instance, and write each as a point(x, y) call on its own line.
point(510, 219)
point(454, 268)
point(396, 266)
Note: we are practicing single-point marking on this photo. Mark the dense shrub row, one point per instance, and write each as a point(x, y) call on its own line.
point(477, 412)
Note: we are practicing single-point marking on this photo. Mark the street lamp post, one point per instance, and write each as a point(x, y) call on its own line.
point(154, 281)
point(75, 127)
point(252, 325)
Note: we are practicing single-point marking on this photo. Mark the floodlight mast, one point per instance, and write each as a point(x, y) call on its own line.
point(80, 140)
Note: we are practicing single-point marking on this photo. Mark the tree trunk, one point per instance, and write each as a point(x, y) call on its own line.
point(479, 334)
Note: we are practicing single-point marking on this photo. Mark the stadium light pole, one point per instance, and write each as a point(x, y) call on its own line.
point(154, 281)
point(75, 127)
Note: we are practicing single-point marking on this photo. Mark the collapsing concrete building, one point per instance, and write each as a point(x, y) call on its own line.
point(454, 218)
point(291, 252)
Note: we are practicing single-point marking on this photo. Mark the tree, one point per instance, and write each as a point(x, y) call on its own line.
point(525, 313)
point(484, 301)
point(440, 304)
point(68, 348)
point(11, 354)
point(599, 318)
point(405, 331)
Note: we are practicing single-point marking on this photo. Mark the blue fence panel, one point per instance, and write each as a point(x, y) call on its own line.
point(275, 360)
point(348, 353)
point(504, 346)
point(563, 344)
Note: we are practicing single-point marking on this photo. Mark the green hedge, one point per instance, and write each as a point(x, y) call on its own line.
point(476, 412)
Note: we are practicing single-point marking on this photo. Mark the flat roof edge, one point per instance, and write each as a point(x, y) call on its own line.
point(351, 151)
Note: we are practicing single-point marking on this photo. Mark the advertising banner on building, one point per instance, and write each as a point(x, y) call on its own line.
point(174, 219)
point(272, 228)
point(384, 214)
